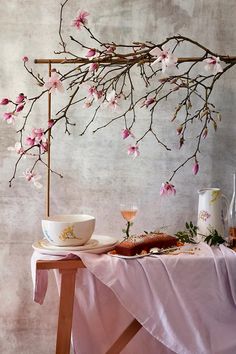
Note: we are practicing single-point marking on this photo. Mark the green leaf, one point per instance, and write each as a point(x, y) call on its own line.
point(214, 238)
point(188, 234)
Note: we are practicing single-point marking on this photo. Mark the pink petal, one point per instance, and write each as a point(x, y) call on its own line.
point(156, 52)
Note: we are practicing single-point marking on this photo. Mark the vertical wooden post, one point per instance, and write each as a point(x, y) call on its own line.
point(49, 147)
point(65, 310)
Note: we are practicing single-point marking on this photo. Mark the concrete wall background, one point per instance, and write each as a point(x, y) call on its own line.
point(97, 172)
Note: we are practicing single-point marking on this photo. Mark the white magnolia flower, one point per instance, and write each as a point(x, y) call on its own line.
point(167, 59)
point(213, 65)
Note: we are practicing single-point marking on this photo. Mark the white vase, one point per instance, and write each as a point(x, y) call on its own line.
point(211, 213)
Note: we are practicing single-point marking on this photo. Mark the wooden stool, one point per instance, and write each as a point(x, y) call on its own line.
point(68, 269)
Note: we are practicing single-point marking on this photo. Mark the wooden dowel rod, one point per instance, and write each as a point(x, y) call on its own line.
point(49, 147)
point(111, 61)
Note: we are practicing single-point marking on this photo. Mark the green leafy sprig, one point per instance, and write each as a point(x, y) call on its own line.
point(188, 235)
point(214, 238)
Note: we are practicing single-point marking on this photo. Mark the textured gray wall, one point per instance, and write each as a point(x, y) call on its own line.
point(97, 172)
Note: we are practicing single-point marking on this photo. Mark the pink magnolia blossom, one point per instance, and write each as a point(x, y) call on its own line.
point(213, 65)
point(25, 59)
point(148, 102)
point(9, 117)
point(167, 59)
point(93, 67)
point(195, 168)
point(44, 146)
point(112, 100)
point(167, 189)
point(20, 107)
point(30, 141)
point(81, 19)
point(20, 98)
point(38, 133)
point(96, 94)
point(37, 137)
point(91, 90)
point(4, 101)
point(54, 83)
point(18, 148)
point(32, 177)
point(126, 133)
point(133, 150)
point(91, 54)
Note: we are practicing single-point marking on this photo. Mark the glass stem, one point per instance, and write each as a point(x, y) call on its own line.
point(127, 230)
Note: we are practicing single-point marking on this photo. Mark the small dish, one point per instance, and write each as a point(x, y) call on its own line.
point(97, 244)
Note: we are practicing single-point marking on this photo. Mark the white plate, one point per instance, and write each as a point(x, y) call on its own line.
point(158, 253)
point(90, 244)
point(97, 244)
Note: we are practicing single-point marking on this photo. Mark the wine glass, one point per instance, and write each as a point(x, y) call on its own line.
point(128, 211)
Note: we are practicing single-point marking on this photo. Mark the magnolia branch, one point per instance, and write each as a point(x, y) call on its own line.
point(105, 79)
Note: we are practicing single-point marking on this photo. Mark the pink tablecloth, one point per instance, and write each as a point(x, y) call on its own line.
point(186, 303)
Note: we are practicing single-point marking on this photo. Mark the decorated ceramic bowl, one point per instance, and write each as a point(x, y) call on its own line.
point(68, 230)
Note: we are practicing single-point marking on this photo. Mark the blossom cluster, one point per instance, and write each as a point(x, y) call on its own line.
point(105, 74)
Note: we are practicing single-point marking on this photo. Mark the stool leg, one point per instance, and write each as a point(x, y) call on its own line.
point(65, 310)
point(125, 337)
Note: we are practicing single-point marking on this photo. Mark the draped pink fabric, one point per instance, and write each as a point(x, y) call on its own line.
point(186, 303)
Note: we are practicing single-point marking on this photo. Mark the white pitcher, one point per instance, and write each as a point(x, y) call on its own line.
point(211, 213)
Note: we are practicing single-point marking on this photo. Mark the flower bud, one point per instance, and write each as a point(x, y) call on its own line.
point(195, 168)
point(181, 142)
point(91, 53)
point(20, 107)
point(93, 67)
point(126, 133)
point(203, 113)
point(205, 132)
point(51, 123)
point(179, 129)
point(20, 98)
point(4, 101)
point(189, 104)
